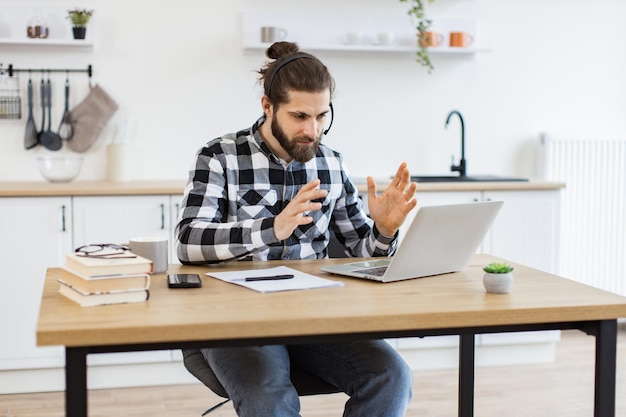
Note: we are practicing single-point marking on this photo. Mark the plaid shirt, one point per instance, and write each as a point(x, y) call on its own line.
point(238, 186)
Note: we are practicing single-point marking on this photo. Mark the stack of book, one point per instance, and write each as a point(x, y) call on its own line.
point(100, 281)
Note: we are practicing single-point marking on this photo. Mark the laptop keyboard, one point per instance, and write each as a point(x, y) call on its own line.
point(378, 271)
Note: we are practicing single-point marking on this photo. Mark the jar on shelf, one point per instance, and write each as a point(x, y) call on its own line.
point(37, 26)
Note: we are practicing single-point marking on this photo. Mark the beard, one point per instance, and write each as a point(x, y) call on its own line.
point(298, 152)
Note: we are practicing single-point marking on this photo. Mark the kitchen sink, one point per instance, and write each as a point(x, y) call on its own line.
point(465, 178)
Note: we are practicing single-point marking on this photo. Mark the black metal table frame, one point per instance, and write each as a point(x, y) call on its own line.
point(605, 332)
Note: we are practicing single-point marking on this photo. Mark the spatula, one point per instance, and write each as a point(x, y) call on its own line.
point(30, 134)
point(42, 97)
point(49, 139)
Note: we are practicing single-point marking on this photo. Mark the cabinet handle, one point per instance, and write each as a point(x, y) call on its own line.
point(475, 200)
point(162, 216)
point(63, 218)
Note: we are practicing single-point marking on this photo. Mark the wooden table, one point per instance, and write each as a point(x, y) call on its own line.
point(222, 314)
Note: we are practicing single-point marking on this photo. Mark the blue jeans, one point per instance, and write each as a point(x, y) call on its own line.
point(370, 372)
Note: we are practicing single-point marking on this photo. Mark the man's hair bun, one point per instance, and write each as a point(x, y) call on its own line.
point(280, 49)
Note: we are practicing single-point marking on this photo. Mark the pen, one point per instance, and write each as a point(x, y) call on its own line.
point(266, 278)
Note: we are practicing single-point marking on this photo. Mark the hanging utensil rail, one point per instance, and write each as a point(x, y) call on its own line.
point(10, 70)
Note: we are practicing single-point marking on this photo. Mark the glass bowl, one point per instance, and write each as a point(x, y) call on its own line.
point(59, 168)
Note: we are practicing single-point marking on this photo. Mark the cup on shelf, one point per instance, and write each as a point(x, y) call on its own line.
point(431, 39)
point(386, 38)
point(460, 39)
point(355, 38)
point(270, 34)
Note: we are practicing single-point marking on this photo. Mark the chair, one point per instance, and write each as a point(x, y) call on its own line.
point(304, 382)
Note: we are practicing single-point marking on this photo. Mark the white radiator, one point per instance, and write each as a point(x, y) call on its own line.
point(593, 209)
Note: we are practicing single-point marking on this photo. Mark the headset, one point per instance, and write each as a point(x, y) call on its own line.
point(285, 62)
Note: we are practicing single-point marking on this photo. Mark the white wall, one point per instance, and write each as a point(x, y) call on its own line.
point(178, 70)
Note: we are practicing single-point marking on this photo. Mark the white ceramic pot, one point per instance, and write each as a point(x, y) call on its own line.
point(498, 283)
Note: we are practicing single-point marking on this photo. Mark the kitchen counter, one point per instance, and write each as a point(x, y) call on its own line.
point(172, 187)
point(90, 188)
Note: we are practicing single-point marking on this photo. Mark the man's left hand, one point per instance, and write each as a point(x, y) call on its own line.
point(391, 208)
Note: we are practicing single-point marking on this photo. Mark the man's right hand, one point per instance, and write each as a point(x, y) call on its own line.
point(293, 215)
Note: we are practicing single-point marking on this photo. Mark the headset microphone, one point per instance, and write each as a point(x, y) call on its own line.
point(285, 62)
point(332, 116)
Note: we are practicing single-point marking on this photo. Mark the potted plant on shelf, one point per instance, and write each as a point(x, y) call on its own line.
point(422, 24)
point(79, 18)
point(498, 278)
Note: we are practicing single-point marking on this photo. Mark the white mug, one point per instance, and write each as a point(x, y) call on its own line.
point(271, 34)
point(386, 38)
point(153, 248)
point(355, 38)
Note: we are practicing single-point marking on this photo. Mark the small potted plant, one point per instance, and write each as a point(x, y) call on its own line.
point(498, 278)
point(79, 18)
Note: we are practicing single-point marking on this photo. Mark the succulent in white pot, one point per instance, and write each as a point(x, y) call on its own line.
point(498, 277)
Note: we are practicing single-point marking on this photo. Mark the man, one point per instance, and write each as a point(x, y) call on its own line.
point(273, 191)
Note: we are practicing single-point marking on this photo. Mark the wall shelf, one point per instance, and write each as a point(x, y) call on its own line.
point(15, 19)
point(71, 43)
point(373, 48)
point(334, 37)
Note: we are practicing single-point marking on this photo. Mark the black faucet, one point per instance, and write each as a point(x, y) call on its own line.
point(461, 168)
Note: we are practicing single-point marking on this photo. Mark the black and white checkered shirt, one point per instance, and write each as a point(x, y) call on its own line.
point(238, 186)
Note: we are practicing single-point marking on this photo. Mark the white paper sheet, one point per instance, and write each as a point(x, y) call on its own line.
point(300, 281)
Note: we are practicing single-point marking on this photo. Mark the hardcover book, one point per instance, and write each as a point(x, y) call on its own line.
point(93, 267)
point(104, 283)
point(85, 299)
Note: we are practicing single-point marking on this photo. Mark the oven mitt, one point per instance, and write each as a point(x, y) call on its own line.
point(89, 118)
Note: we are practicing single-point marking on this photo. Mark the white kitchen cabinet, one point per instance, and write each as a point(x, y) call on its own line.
point(37, 233)
point(44, 230)
point(525, 231)
point(117, 219)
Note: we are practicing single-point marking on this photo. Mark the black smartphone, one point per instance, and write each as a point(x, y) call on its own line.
point(184, 281)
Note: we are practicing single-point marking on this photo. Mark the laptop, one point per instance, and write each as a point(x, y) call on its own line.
point(440, 239)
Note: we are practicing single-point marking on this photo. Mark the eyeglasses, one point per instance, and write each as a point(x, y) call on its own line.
point(104, 251)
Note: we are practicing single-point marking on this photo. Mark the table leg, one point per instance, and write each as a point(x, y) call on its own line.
point(467, 354)
point(75, 382)
point(606, 353)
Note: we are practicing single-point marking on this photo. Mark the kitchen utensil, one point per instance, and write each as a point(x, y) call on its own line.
point(42, 97)
point(10, 97)
point(66, 128)
point(49, 139)
point(30, 134)
point(90, 117)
